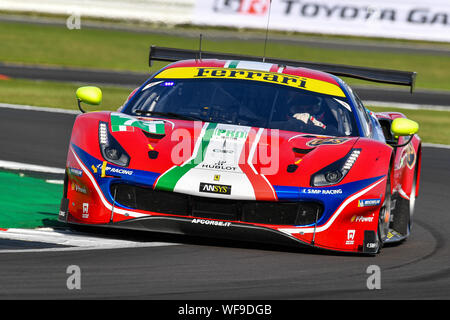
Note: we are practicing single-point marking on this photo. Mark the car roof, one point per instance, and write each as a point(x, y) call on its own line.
point(259, 66)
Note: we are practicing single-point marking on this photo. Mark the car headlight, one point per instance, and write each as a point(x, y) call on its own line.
point(111, 150)
point(335, 172)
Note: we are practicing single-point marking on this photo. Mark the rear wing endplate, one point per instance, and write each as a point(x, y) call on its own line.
point(404, 78)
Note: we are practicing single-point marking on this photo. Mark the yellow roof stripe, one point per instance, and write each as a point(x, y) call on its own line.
point(303, 83)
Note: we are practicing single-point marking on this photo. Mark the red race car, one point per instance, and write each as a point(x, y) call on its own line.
point(229, 146)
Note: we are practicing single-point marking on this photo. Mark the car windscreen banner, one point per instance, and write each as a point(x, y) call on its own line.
point(405, 19)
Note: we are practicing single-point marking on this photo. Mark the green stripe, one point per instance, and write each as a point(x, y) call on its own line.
point(169, 179)
point(233, 64)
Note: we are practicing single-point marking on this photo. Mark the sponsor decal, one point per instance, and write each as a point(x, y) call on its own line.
point(219, 165)
point(111, 170)
point(214, 188)
point(212, 222)
point(326, 141)
point(322, 191)
point(350, 237)
point(121, 122)
point(410, 155)
point(119, 171)
point(362, 218)
point(299, 82)
point(229, 134)
point(78, 188)
point(217, 177)
point(248, 7)
point(371, 245)
point(368, 202)
point(85, 214)
point(223, 151)
point(76, 172)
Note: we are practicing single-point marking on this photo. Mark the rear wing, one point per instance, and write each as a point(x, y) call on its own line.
point(404, 78)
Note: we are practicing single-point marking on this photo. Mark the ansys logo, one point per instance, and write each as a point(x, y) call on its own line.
point(214, 188)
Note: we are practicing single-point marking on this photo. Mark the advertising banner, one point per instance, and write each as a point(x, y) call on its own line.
point(407, 19)
point(403, 19)
point(166, 11)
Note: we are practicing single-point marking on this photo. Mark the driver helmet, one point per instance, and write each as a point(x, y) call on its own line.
point(305, 104)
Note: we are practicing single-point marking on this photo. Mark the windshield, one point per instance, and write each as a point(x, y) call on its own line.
point(247, 103)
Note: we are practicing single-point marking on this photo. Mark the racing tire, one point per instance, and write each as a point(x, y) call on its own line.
point(404, 211)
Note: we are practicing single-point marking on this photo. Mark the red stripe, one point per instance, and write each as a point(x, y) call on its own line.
point(263, 190)
point(274, 68)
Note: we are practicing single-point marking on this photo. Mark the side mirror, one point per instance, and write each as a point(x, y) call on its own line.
point(401, 127)
point(404, 127)
point(89, 95)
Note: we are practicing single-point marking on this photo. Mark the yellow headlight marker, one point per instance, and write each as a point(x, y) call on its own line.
point(103, 168)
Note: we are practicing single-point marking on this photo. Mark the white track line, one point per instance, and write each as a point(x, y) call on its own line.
point(73, 241)
point(11, 165)
point(436, 145)
point(35, 108)
point(410, 106)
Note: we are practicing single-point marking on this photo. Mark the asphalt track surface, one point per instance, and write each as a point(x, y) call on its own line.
point(204, 269)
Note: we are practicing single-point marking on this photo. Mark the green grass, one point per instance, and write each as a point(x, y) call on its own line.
point(121, 50)
point(56, 94)
point(434, 126)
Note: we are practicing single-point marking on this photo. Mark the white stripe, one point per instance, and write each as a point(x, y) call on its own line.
point(55, 181)
point(73, 241)
point(10, 165)
point(35, 108)
point(338, 212)
point(436, 145)
point(254, 65)
point(410, 106)
point(253, 149)
point(403, 193)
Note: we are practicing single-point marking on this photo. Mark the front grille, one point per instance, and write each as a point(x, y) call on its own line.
point(263, 212)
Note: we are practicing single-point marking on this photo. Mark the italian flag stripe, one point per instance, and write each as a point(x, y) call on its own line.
point(170, 178)
point(233, 64)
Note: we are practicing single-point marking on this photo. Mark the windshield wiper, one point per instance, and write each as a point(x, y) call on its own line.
point(168, 114)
